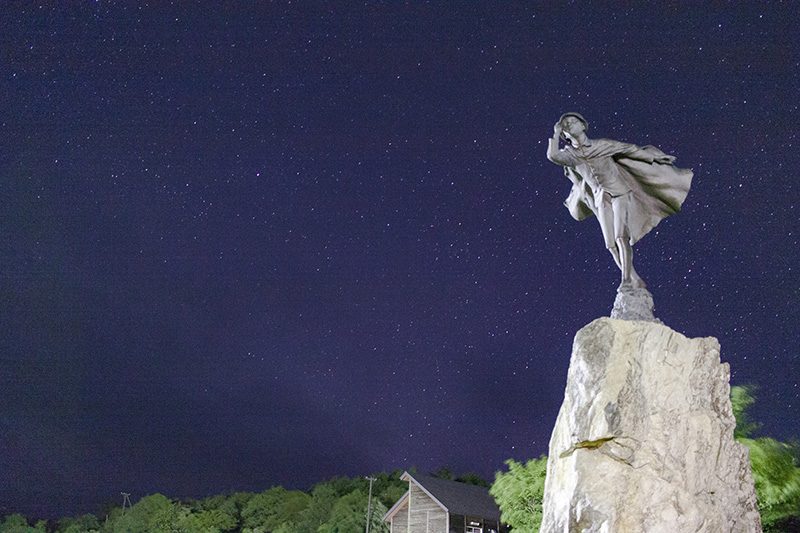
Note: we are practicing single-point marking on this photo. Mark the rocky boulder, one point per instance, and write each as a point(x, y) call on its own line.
point(644, 439)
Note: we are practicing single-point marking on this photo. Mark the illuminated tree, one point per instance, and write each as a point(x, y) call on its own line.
point(519, 493)
point(775, 468)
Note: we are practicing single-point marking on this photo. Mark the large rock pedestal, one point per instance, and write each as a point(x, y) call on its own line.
point(644, 439)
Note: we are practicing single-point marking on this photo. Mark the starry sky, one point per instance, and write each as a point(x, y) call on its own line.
point(248, 243)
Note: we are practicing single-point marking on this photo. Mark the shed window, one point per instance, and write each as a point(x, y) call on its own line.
point(474, 521)
point(457, 522)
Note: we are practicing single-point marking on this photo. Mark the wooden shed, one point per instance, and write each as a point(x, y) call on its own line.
point(434, 505)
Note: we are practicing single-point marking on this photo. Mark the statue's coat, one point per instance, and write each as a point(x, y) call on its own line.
point(658, 189)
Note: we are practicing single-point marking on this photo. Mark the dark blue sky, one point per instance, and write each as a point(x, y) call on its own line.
point(256, 244)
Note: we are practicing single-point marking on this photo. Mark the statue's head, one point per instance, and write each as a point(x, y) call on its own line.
point(572, 124)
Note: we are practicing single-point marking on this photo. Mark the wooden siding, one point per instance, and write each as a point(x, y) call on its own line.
point(400, 520)
point(437, 522)
point(425, 515)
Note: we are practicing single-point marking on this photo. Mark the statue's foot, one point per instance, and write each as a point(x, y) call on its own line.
point(631, 284)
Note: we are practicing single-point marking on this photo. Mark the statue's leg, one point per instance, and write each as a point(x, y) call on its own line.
point(615, 254)
point(605, 215)
point(637, 281)
point(630, 277)
point(622, 240)
point(625, 260)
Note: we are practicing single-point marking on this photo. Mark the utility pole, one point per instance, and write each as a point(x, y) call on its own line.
point(369, 502)
point(126, 501)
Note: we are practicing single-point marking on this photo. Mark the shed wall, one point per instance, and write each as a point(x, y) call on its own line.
point(400, 520)
point(425, 516)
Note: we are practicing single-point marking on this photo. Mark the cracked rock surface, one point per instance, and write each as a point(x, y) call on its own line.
point(644, 438)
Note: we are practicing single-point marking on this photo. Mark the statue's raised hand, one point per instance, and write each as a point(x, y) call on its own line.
point(665, 159)
point(557, 128)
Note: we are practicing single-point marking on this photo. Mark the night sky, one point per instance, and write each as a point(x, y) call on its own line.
point(248, 244)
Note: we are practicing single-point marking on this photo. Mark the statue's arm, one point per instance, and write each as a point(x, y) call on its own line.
point(556, 155)
point(632, 151)
point(640, 154)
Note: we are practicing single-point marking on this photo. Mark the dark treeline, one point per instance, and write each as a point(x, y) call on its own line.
point(338, 505)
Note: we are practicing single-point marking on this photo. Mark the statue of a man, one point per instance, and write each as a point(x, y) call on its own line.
point(629, 188)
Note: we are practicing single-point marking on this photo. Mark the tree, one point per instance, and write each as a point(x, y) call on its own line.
point(230, 505)
point(268, 510)
point(327, 495)
point(742, 397)
point(443, 473)
point(343, 486)
point(349, 514)
point(152, 514)
point(519, 493)
point(323, 498)
point(388, 487)
point(87, 523)
point(390, 494)
point(775, 467)
point(17, 523)
point(207, 521)
point(471, 478)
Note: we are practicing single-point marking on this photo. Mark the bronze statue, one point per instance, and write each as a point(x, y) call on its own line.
point(629, 188)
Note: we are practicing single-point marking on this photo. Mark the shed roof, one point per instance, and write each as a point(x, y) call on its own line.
point(458, 498)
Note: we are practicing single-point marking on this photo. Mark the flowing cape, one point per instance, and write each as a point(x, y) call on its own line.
point(658, 191)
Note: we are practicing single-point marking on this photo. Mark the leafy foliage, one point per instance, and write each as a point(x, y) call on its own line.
point(152, 514)
point(388, 488)
point(272, 508)
point(340, 504)
point(519, 493)
point(391, 494)
point(470, 478)
point(323, 498)
point(209, 521)
point(333, 506)
point(349, 514)
point(443, 473)
point(87, 523)
point(742, 397)
point(16, 523)
point(775, 468)
point(776, 472)
point(230, 504)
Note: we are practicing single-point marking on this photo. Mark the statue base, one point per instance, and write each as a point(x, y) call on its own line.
point(634, 304)
point(644, 439)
